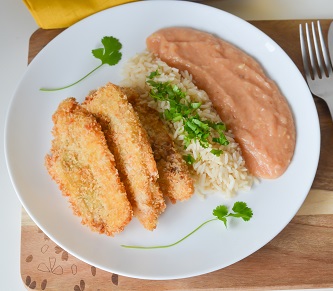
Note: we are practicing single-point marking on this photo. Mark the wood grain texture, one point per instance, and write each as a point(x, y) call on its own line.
point(301, 256)
point(317, 202)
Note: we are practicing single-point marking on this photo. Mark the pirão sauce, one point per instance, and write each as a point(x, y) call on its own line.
point(249, 103)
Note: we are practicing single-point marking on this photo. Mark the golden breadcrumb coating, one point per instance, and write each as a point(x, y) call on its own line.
point(84, 168)
point(129, 143)
point(174, 176)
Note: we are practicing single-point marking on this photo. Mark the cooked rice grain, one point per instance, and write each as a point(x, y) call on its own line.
point(226, 173)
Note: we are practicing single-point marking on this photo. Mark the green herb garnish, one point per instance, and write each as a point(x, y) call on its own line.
point(221, 212)
point(109, 55)
point(216, 152)
point(189, 159)
point(195, 128)
point(240, 210)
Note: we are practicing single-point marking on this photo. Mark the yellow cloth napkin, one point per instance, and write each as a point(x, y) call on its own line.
point(62, 13)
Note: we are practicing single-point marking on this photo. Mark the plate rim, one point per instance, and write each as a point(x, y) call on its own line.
point(79, 24)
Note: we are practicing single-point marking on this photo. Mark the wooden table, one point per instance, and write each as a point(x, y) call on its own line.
point(301, 256)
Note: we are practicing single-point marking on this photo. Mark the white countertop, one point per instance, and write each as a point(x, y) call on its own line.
point(16, 26)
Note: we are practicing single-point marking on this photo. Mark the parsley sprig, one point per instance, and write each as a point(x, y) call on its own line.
point(221, 212)
point(240, 210)
point(110, 54)
point(195, 128)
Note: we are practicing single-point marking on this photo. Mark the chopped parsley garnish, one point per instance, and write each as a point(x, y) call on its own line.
point(221, 212)
point(189, 159)
point(216, 152)
point(110, 54)
point(205, 131)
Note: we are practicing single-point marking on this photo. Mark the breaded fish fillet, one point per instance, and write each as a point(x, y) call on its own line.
point(84, 168)
point(133, 154)
point(174, 176)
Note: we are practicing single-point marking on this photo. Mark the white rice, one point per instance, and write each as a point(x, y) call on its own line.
point(227, 173)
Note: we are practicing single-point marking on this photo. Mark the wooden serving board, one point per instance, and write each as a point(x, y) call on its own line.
point(301, 256)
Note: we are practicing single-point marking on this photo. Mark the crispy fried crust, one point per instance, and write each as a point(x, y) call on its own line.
point(133, 154)
point(84, 168)
point(174, 176)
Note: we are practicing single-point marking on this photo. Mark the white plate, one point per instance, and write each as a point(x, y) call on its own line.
point(66, 59)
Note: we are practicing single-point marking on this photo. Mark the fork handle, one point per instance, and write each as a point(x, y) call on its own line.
point(329, 102)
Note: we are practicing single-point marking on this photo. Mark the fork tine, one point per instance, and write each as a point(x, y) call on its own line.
point(317, 49)
point(311, 53)
point(304, 53)
point(324, 50)
point(320, 63)
point(317, 62)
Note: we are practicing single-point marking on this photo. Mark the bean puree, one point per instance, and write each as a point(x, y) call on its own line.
point(248, 102)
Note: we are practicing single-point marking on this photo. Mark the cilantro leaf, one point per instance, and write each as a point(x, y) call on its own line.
point(196, 105)
point(220, 127)
point(216, 152)
point(221, 140)
point(241, 210)
point(189, 159)
point(109, 55)
point(153, 75)
point(221, 213)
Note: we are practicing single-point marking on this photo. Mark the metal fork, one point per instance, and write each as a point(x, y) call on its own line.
point(317, 63)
